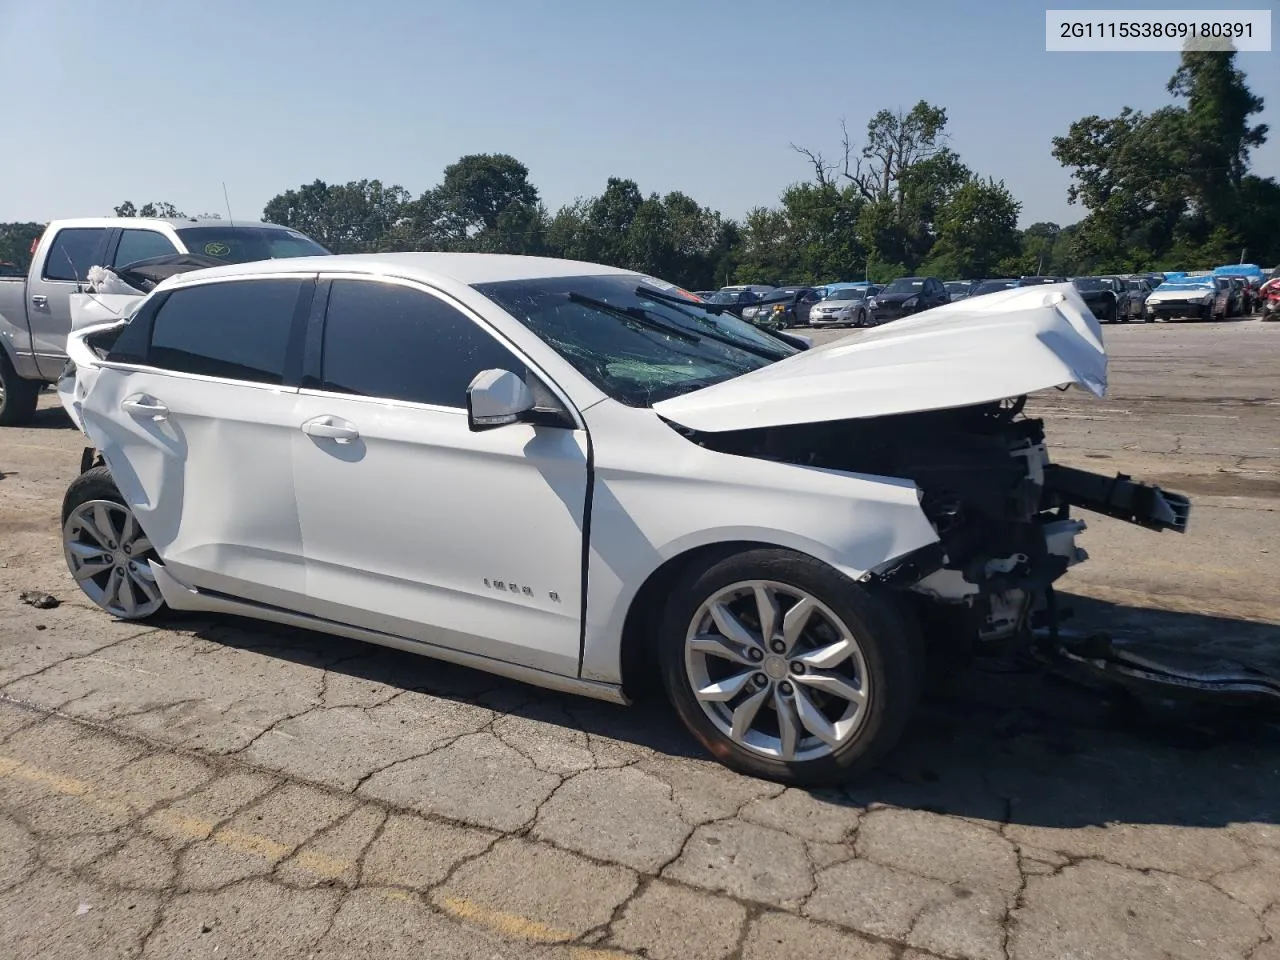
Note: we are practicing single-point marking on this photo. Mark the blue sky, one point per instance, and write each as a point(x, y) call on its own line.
point(164, 100)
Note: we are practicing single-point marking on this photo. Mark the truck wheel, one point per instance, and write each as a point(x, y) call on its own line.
point(785, 669)
point(18, 397)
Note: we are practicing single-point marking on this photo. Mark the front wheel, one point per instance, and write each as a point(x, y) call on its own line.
point(784, 668)
point(106, 550)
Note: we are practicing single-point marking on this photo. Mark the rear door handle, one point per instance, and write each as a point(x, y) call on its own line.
point(39, 299)
point(331, 428)
point(145, 407)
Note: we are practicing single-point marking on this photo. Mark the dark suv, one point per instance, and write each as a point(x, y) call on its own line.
point(906, 296)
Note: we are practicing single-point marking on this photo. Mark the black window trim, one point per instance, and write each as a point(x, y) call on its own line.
point(99, 252)
point(294, 350)
point(314, 339)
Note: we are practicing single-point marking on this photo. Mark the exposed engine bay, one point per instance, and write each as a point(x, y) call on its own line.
point(1002, 511)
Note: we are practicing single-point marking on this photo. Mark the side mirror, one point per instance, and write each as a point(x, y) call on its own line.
point(496, 398)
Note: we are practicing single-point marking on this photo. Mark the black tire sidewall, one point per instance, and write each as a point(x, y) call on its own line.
point(20, 396)
point(892, 654)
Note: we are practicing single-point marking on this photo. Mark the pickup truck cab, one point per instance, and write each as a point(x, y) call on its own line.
point(35, 311)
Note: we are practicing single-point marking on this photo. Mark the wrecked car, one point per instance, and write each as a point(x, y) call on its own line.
point(571, 475)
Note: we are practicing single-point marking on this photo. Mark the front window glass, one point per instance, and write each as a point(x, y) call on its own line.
point(632, 340)
point(138, 245)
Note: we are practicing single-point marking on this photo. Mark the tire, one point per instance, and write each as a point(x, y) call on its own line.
point(1111, 314)
point(861, 319)
point(123, 585)
point(18, 397)
point(880, 668)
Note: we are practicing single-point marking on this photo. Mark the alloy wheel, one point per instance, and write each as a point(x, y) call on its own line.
point(776, 671)
point(108, 553)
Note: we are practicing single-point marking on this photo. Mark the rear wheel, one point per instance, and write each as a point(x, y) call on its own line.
point(784, 668)
point(18, 397)
point(106, 549)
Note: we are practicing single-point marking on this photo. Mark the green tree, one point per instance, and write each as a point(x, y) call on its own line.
point(1169, 185)
point(16, 240)
point(977, 230)
point(347, 218)
point(162, 209)
point(475, 193)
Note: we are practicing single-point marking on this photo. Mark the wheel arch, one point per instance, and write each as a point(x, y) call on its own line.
point(638, 651)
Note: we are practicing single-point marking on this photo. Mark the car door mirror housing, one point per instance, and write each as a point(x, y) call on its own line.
point(497, 398)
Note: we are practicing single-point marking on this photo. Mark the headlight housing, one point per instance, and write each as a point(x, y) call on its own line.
point(873, 303)
point(910, 302)
point(1207, 298)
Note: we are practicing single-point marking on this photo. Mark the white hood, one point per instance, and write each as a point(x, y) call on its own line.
point(986, 348)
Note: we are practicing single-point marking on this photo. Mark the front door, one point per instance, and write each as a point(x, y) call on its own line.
point(412, 524)
point(65, 265)
point(194, 412)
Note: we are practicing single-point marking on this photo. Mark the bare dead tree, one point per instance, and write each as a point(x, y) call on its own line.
point(822, 170)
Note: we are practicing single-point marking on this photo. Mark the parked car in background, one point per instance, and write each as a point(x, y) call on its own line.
point(959, 289)
point(558, 472)
point(704, 294)
point(844, 307)
point(1034, 281)
point(35, 311)
point(905, 296)
point(1269, 299)
point(783, 308)
point(1139, 289)
point(11, 270)
point(1202, 298)
point(1236, 296)
point(736, 299)
point(1107, 297)
point(983, 287)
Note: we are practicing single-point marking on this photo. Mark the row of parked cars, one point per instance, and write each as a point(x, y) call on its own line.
point(1112, 299)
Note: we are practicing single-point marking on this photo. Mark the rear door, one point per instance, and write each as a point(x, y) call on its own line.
point(414, 525)
point(194, 412)
point(68, 256)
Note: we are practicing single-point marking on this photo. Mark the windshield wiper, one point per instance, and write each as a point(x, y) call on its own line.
point(632, 315)
point(713, 333)
point(653, 294)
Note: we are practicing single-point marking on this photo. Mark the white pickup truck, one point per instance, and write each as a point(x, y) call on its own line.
point(35, 311)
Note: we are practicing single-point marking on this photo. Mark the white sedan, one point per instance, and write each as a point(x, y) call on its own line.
point(572, 474)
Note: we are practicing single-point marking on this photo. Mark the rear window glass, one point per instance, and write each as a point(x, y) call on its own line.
point(239, 330)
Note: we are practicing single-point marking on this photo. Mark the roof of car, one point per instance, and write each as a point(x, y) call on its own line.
point(468, 268)
point(178, 223)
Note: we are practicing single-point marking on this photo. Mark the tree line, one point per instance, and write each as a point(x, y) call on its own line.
point(1166, 190)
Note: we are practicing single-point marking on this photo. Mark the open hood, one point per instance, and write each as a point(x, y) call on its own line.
point(987, 348)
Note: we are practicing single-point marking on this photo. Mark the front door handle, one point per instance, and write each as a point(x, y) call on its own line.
point(331, 428)
point(145, 407)
point(39, 299)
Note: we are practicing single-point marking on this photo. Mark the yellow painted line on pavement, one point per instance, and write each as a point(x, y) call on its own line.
point(507, 924)
point(322, 865)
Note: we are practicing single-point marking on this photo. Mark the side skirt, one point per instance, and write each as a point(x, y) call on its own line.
point(181, 597)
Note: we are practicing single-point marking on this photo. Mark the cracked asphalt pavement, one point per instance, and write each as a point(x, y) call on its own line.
point(209, 787)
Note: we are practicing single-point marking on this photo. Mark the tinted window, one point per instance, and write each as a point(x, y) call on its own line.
point(238, 330)
point(72, 253)
point(246, 244)
point(138, 245)
point(385, 340)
